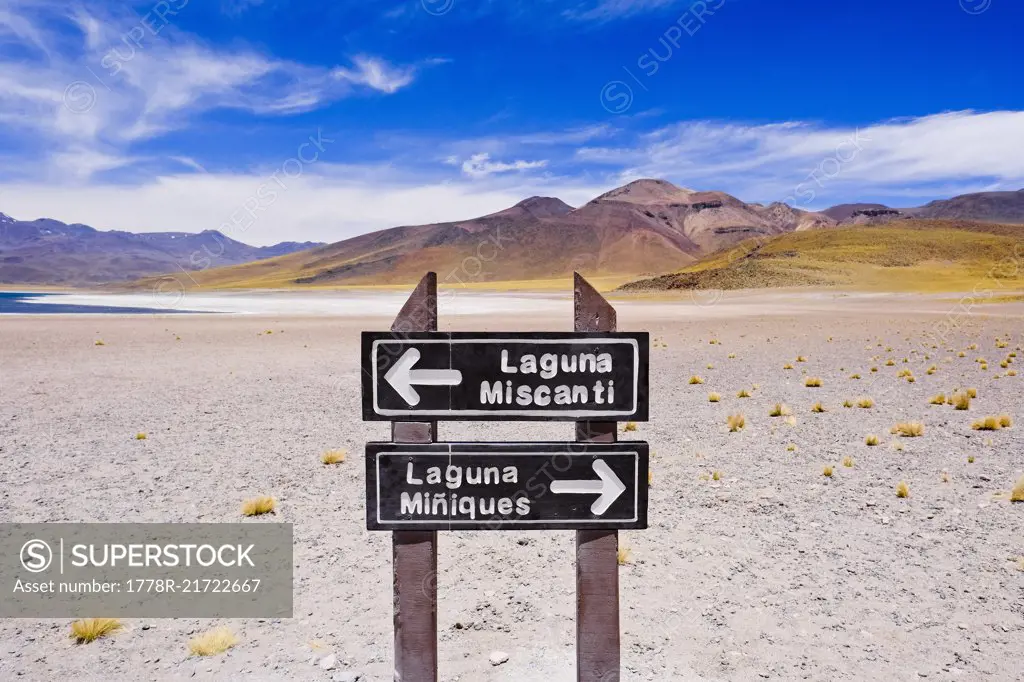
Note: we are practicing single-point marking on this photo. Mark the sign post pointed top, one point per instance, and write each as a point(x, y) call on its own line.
point(420, 310)
point(592, 313)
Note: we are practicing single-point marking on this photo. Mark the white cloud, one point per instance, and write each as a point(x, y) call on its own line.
point(480, 166)
point(326, 203)
point(607, 10)
point(957, 151)
point(102, 81)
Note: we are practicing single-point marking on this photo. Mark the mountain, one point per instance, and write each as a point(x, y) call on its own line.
point(647, 226)
point(910, 255)
point(989, 207)
point(48, 251)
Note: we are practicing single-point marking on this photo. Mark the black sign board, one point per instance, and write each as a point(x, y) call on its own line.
point(421, 376)
point(506, 486)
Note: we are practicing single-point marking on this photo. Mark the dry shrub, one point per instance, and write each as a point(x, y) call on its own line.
point(902, 490)
point(212, 642)
point(939, 399)
point(855, 376)
point(779, 410)
point(743, 393)
point(716, 476)
point(1005, 421)
point(787, 366)
point(973, 392)
point(904, 373)
point(629, 426)
point(827, 472)
point(848, 461)
point(140, 436)
point(90, 629)
point(791, 447)
point(696, 380)
point(333, 457)
point(865, 403)
point(736, 422)
point(1017, 494)
point(818, 407)
point(890, 363)
point(961, 354)
point(871, 440)
point(989, 423)
point(258, 505)
point(714, 397)
point(945, 477)
point(908, 429)
point(961, 401)
point(801, 358)
point(970, 459)
point(812, 382)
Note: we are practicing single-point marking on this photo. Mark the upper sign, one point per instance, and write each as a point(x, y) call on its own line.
point(506, 486)
point(597, 376)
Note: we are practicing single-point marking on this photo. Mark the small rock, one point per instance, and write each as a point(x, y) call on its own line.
point(498, 657)
point(328, 662)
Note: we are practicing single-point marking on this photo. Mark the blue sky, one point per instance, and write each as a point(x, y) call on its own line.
point(280, 119)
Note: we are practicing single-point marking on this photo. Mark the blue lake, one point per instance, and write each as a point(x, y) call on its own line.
point(29, 303)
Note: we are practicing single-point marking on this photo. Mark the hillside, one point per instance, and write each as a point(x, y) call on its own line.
point(48, 251)
point(645, 227)
point(913, 255)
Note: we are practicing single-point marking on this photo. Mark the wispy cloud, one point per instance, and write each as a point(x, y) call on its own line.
point(607, 10)
point(960, 151)
point(481, 165)
point(99, 81)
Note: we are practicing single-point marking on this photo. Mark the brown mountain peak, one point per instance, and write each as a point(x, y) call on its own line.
point(647, 191)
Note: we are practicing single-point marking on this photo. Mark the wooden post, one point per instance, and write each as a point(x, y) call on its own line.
point(597, 566)
point(415, 552)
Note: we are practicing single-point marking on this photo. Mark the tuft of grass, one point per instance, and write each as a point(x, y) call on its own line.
point(961, 354)
point(973, 392)
point(716, 476)
point(911, 379)
point(945, 477)
point(939, 399)
point(791, 447)
point(736, 422)
point(848, 462)
point(989, 423)
point(874, 369)
point(827, 472)
point(890, 363)
point(970, 459)
point(801, 358)
point(1011, 373)
point(847, 403)
point(855, 376)
point(1017, 494)
point(99, 342)
point(709, 366)
point(258, 505)
point(212, 642)
point(787, 366)
point(629, 426)
point(817, 407)
point(1005, 421)
point(897, 446)
point(732, 356)
point(90, 629)
point(902, 490)
point(908, 429)
point(779, 410)
point(812, 382)
point(904, 373)
point(714, 397)
point(332, 457)
point(140, 436)
point(696, 380)
point(743, 393)
point(871, 440)
point(865, 403)
point(961, 401)
point(973, 346)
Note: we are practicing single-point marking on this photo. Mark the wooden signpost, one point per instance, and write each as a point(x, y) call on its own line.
point(594, 485)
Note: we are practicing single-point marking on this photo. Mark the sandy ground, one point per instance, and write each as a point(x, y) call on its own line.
point(772, 572)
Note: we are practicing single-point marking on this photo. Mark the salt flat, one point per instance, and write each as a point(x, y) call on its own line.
point(773, 571)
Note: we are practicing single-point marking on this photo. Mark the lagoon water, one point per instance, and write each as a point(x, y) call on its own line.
point(358, 303)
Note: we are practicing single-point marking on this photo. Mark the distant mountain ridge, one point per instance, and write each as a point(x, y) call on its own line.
point(46, 251)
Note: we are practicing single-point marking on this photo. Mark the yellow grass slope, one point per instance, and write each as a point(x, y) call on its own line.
point(915, 255)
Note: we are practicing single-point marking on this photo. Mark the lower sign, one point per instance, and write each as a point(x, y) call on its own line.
point(506, 486)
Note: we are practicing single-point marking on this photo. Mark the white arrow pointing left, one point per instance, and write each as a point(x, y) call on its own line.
point(608, 485)
point(402, 377)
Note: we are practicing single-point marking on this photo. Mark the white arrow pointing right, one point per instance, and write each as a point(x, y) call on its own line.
point(608, 485)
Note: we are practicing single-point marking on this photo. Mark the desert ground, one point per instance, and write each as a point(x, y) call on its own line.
point(756, 565)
